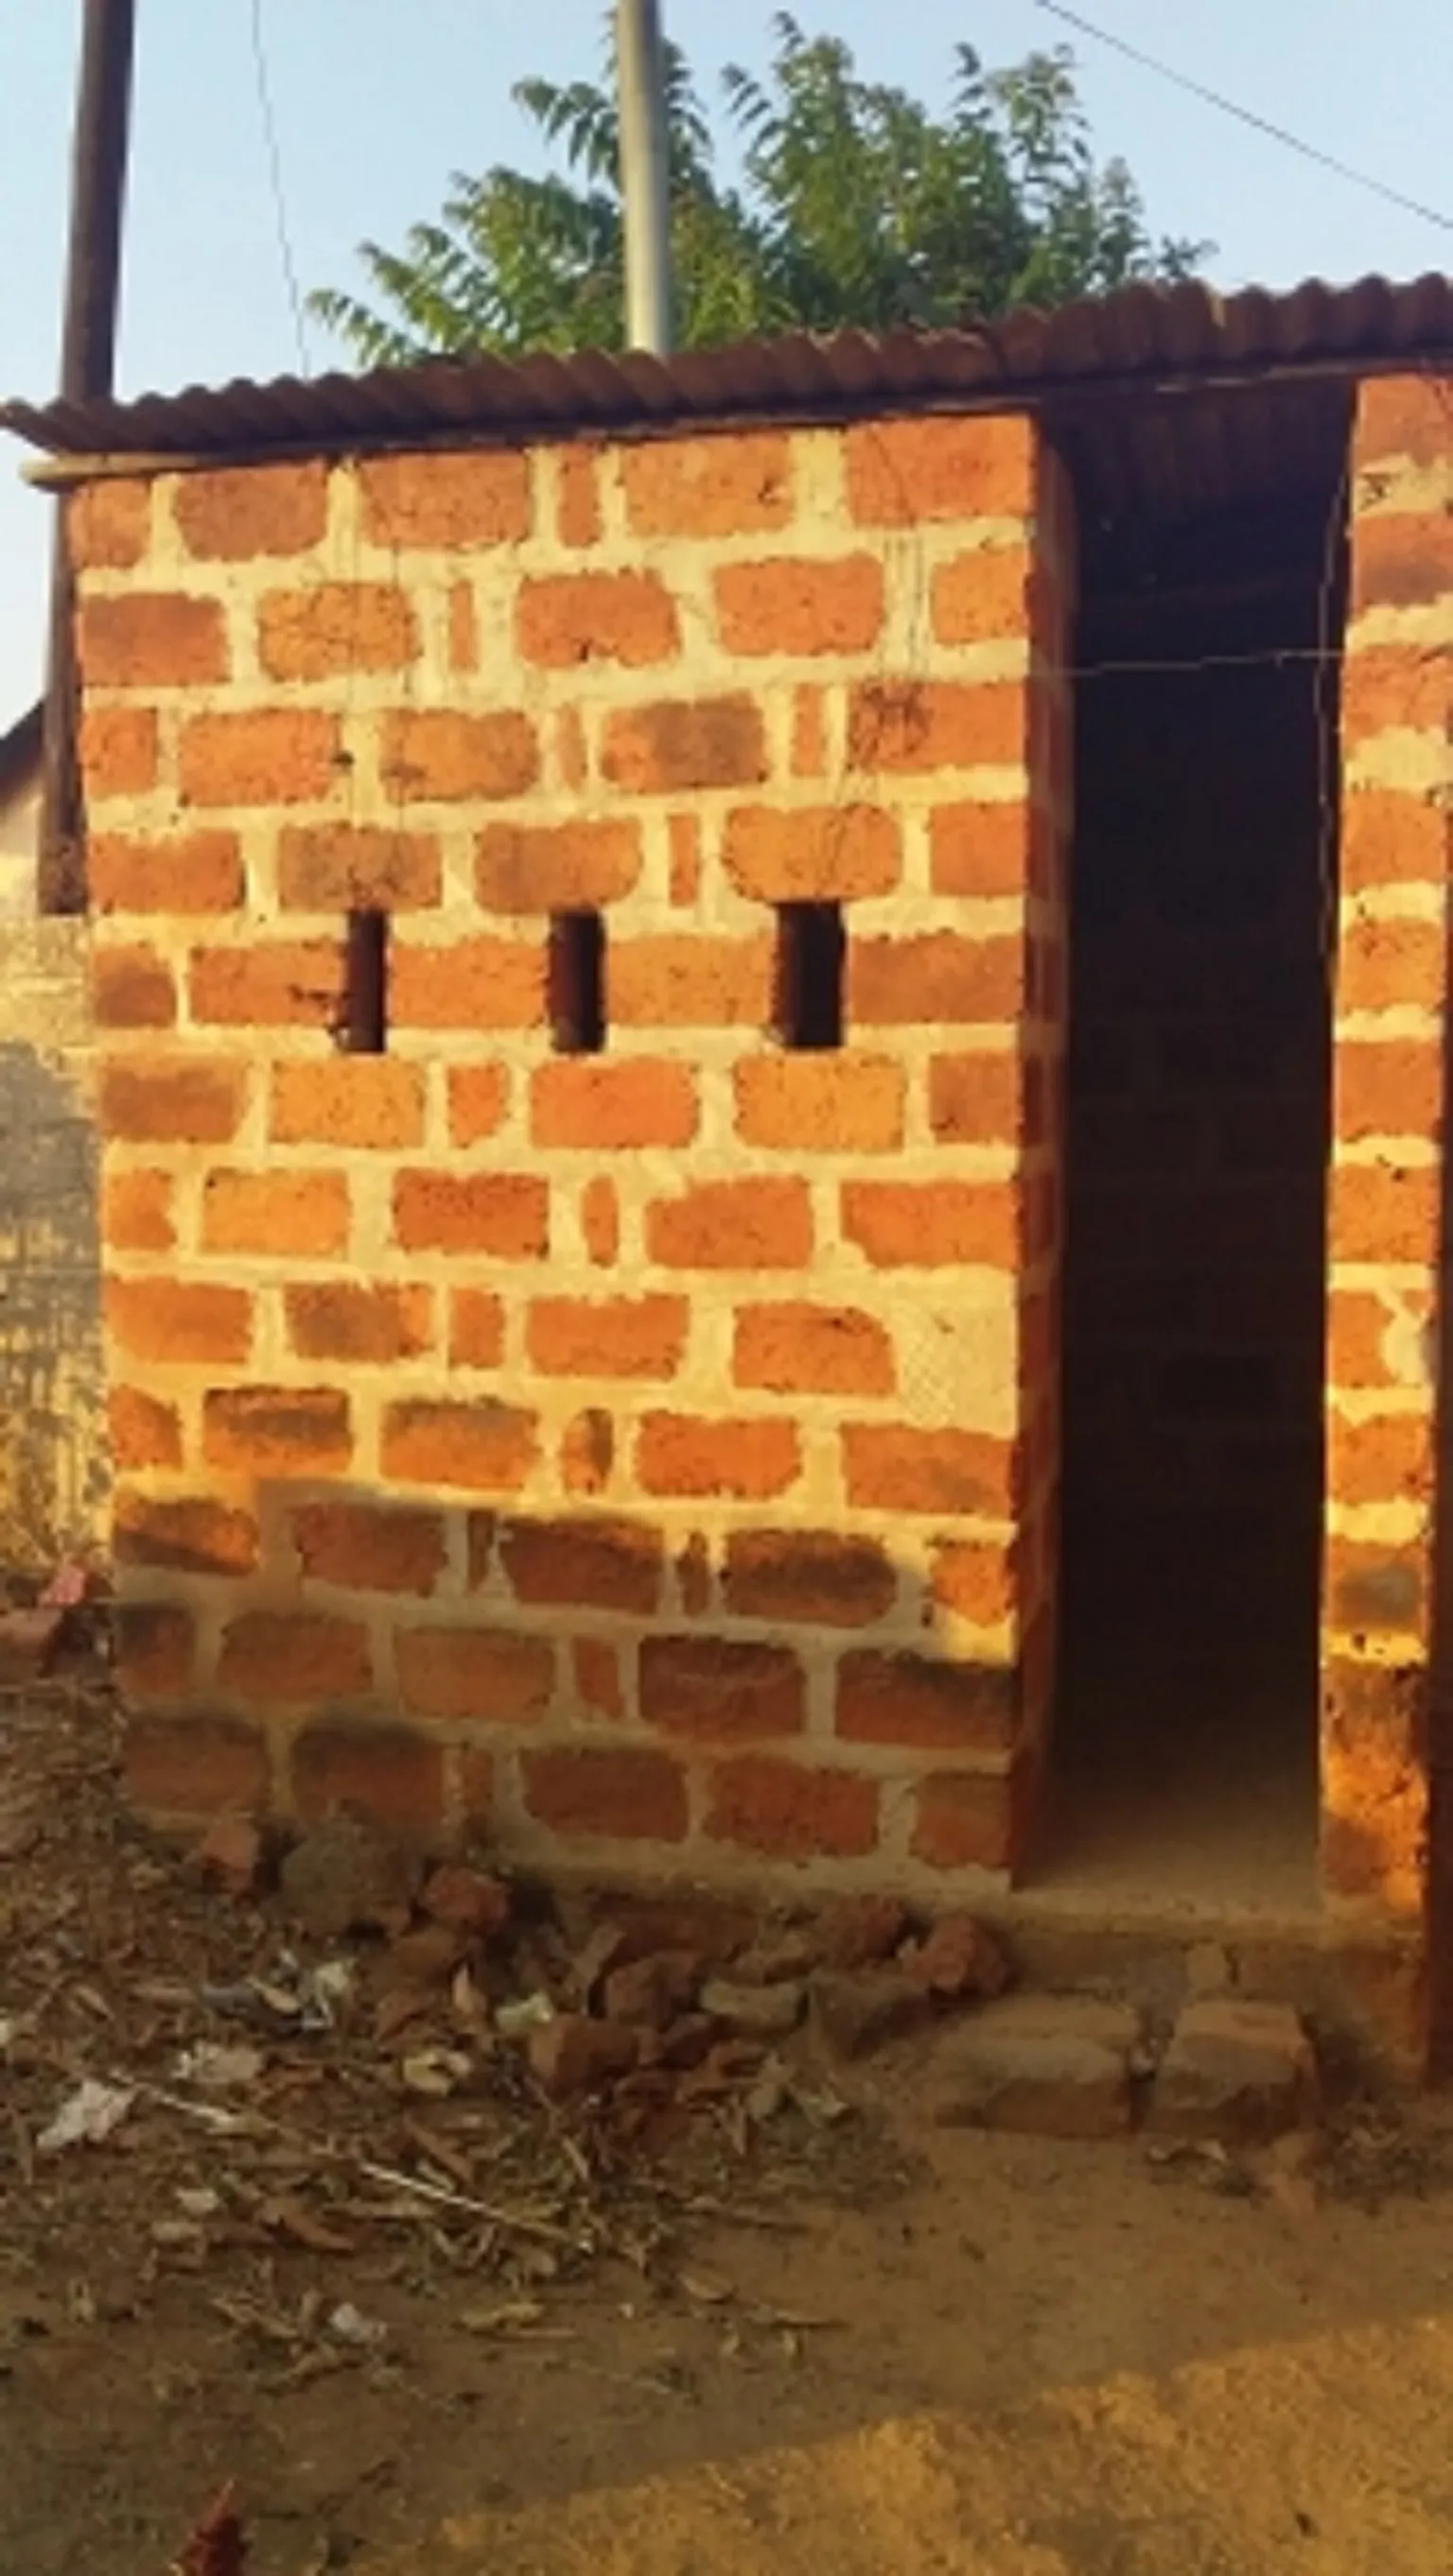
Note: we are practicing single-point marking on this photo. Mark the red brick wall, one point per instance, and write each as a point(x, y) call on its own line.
point(1397, 842)
point(654, 1451)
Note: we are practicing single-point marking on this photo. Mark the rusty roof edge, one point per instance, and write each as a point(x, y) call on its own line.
point(1143, 338)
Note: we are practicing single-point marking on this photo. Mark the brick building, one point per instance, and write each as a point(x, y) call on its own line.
point(773, 1051)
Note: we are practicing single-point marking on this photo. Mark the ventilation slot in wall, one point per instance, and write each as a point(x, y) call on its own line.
point(365, 1001)
point(811, 953)
point(577, 982)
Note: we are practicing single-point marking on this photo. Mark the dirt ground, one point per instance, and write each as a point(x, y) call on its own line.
point(464, 2332)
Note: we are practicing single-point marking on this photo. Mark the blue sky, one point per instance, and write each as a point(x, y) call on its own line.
point(378, 101)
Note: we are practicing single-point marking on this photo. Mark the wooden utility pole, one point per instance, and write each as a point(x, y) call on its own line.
point(645, 174)
point(88, 357)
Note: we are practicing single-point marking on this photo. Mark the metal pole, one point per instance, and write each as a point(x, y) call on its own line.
point(645, 174)
point(88, 354)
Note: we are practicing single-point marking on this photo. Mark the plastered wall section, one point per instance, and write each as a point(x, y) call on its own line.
point(648, 1455)
point(1390, 1073)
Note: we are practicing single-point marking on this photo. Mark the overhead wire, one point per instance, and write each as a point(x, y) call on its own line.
point(279, 194)
point(1247, 116)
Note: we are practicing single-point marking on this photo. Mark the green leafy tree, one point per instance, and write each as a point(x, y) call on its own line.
point(853, 205)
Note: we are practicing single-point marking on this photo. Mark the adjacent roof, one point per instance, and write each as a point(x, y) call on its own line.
point(20, 749)
point(1142, 336)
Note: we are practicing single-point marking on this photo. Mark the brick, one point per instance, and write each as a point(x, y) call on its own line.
point(334, 627)
point(811, 853)
point(902, 472)
point(479, 1099)
point(571, 755)
point(690, 981)
point(1401, 559)
point(373, 1102)
point(356, 867)
point(983, 595)
point(1376, 1590)
point(1385, 1459)
point(587, 1451)
point(626, 1337)
point(145, 1432)
point(183, 1534)
point(187, 1768)
point(179, 1323)
point(902, 1699)
point(694, 1575)
point(277, 1430)
point(975, 1580)
point(119, 750)
point(578, 520)
point(1403, 417)
point(588, 1562)
point(595, 1667)
point(682, 1454)
point(1388, 1089)
point(283, 1215)
point(809, 734)
point(607, 1793)
point(1388, 838)
point(801, 1349)
point(196, 872)
point(132, 988)
point(732, 1225)
point(1382, 965)
point(800, 606)
point(812, 1575)
point(292, 1657)
point(600, 1221)
point(1380, 1213)
point(483, 1447)
point(358, 1323)
point(476, 1329)
point(927, 1225)
point(984, 851)
point(738, 485)
point(556, 867)
point(455, 1675)
point(565, 619)
point(503, 1214)
point(463, 627)
point(965, 1820)
point(480, 1530)
point(137, 1211)
point(935, 975)
point(475, 1791)
point(1395, 687)
point(151, 639)
point(229, 515)
point(820, 1104)
point(684, 842)
point(108, 524)
point(156, 1650)
point(470, 984)
point(346, 1765)
point(438, 755)
point(905, 727)
point(613, 1108)
point(720, 1692)
point(788, 1812)
point(362, 1547)
point(681, 746)
point(478, 497)
point(152, 1101)
point(1373, 1341)
point(895, 1467)
point(296, 983)
point(978, 1099)
point(270, 756)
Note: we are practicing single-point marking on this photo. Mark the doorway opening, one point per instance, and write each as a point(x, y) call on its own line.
point(1202, 907)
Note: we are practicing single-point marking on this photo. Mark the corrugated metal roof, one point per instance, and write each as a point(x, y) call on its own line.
point(1142, 335)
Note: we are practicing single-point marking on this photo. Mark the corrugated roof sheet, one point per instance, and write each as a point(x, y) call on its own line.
point(1142, 335)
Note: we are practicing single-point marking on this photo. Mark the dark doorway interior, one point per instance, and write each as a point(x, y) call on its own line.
point(1198, 1121)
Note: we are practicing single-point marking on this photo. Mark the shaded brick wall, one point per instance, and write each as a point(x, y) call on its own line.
point(1391, 1004)
point(654, 1450)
